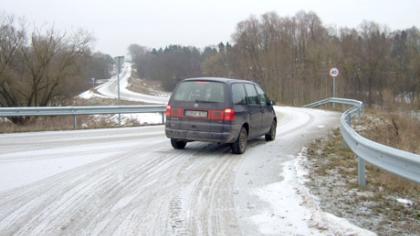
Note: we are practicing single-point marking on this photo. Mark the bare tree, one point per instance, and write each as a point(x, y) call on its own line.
point(40, 69)
point(11, 40)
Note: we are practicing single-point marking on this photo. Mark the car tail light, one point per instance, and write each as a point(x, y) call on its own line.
point(174, 112)
point(229, 114)
point(168, 111)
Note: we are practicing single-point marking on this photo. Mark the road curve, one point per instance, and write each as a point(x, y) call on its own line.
point(110, 89)
point(130, 181)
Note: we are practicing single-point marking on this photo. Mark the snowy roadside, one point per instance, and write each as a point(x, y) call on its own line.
point(140, 118)
point(89, 94)
point(388, 205)
point(294, 210)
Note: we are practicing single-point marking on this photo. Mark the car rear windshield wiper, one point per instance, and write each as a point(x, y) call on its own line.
point(203, 101)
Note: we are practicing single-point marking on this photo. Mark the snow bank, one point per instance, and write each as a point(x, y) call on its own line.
point(141, 118)
point(89, 94)
point(294, 211)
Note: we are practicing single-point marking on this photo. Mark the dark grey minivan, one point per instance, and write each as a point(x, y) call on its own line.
point(219, 110)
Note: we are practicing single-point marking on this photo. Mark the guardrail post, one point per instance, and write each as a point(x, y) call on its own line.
point(361, 175)
point(74, 121)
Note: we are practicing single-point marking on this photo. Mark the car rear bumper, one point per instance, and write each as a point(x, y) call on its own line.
point(192, 135)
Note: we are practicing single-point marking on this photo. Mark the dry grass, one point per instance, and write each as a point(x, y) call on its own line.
point(145, 86)
point(39, 124)
point(54, 123)
point(101, 102)
point(398, 130)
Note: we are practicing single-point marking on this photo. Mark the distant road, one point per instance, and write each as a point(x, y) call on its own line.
point(109, 89)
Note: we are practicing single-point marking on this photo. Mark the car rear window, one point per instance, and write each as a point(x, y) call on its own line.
point(200, 91)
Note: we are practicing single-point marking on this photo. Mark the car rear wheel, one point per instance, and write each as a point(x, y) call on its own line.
point(239, 146)
point(177, 144)
point(271, 135)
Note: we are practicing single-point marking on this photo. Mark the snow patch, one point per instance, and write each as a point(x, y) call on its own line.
point(137, 118)
point(141, 118)
point(294, 211)
point(405, 202)
point(89, 94)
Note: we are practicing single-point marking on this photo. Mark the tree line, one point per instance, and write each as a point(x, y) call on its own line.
point(44, 66)
point(291, 57)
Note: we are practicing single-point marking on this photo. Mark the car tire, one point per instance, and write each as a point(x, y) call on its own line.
point(271, 135)
point(177, 144)
point(239, 146)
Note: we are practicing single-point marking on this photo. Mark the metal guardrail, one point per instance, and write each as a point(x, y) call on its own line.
point(80, 110)
point(398, 162)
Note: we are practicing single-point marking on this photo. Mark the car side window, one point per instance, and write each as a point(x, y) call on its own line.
point(238, 94)
point(251, 94)
point(261, 96)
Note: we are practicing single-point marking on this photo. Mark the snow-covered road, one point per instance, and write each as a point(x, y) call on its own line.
point(129, 181)
point(110, 89)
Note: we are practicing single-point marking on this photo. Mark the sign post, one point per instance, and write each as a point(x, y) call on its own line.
point(334, 73)
point(119, 60)
point(93, 82)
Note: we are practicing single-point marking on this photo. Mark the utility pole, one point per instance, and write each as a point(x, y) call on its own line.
point(119, 60)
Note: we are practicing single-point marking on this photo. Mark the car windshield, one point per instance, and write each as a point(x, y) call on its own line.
point(200, 91)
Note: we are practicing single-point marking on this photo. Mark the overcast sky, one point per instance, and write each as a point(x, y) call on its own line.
point(154, 23)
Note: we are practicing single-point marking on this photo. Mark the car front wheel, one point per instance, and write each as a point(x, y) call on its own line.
point(177, 144)
point(239, 146)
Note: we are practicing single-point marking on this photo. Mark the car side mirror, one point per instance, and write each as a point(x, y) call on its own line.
point(271, 103)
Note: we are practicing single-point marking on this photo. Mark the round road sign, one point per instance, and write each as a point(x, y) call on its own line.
point(334, 72)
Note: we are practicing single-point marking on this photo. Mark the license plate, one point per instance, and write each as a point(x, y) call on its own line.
point(196, 114)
